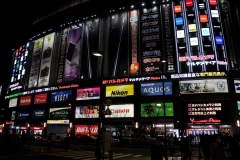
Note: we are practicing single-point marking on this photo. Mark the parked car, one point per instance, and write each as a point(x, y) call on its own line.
point(115, 140)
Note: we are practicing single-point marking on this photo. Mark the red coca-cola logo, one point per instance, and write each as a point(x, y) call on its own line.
point(86, 129)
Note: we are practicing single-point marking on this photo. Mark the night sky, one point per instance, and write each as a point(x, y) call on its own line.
point(17, 18)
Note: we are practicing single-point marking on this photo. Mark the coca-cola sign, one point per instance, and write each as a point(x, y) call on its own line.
point(86, 130)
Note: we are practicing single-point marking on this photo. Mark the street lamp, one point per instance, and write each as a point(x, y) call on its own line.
point(164, 107)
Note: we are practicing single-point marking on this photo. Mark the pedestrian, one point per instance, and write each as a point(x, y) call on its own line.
point(49, 139)
point(171, 146)
point(217, 149)
point(158, 151)
point(24, 138)
point(66, 142)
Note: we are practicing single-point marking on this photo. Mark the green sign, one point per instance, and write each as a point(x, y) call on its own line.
point(156, 109)
point(60, 113)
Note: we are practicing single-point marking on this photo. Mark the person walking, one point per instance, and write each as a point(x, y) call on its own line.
point(171, 146)
point(158, 151)
point(217, 149)
point(66, 142)
point(49, 139)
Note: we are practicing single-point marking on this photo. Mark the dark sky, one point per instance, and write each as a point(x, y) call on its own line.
point(16, 17)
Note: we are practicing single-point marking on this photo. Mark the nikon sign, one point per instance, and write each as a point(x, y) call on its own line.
point(60, 113)
point(120, 90)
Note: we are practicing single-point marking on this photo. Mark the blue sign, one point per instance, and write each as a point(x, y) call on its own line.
point(23, 115)
point(179, 21)
point(156, 89)
point(39, 114)
point(63, 96)
point(219, 40)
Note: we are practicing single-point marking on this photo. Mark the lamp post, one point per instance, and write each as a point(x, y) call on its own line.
point(164, 107)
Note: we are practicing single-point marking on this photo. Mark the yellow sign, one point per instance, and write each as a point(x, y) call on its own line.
point(120, 90)
point(192, 27)
point(58, 121)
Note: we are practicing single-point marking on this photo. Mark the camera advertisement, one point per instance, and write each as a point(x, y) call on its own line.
point(46, 60)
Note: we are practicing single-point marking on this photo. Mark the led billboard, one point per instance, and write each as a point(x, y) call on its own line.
point(157, 109)
point(88, 93)
point(121, 111)
point(90, 111)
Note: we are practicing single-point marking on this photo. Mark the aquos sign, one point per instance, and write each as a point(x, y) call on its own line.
point(120, 90)
point(156, 89)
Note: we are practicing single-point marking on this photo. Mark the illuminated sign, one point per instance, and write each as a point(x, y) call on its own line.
point(237, 86)
point(203, 18)
point(189, 3)
point(86, 130)
point(203, 86)
point(156, 89)
point(204, 108)
point(13, 102)
point(180, 34)
point(210, 120)
point(178, 9)
point(195, 58)
point(40, 98)
point(47, 89)
point(120, 90)
point(23, 115)
point(214, 13)
point(68, 86)
point(194, 41)
point(88, 93)
point(90, 111)
point(192, 27)
point(138, 79)
point(13, 85)
point(157, 109)
point(13, 95)
point(60, 113)
point(219, 40)
point(238, 104)
point(24, 101)
point(121, 111)
point(57, 121)
point(36, 128)
point(179, 21)
point(205, 32)
point(202, 74)
point(63, 96)
point(201, 6)
point(8, 122)
point(13, 116)
point(38, 114)
point(213, 2)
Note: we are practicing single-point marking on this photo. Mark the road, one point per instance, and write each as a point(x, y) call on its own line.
point(37, 150)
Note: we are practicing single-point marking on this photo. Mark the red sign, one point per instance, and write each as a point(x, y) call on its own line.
point(23, 128)
point(24, 101)
point(86, 130)
point(203, 18)
point(189, 3)
point(210, 120)
point(68, 86)
point(178, 9)
point(40, 98)
point(36, 128)
point(8, 122)
point(213, 2)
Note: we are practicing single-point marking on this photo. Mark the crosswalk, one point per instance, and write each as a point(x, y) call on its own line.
point(88, 155)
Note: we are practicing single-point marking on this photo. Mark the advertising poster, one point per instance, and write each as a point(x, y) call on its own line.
point(40, 98)
point(237, 86)
point(23, 115)
point(238, 104)
point(121, 111)
point(60, 113)
point(134, 28)
point(63, 96)
point(86, 130)
point(203, 86)
point(157, 109)
point(119, 44)
point(39, 114)
point(150, 40)
point(57, 121)
point(46, 60)
point(36, 59)
point(88, 93)
point(13, 116)
point(13, 102)
point(91, 111)
point(73, 49)
point(120, 90)
point(25, 101)
point(205, 109)
point(156, 89)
